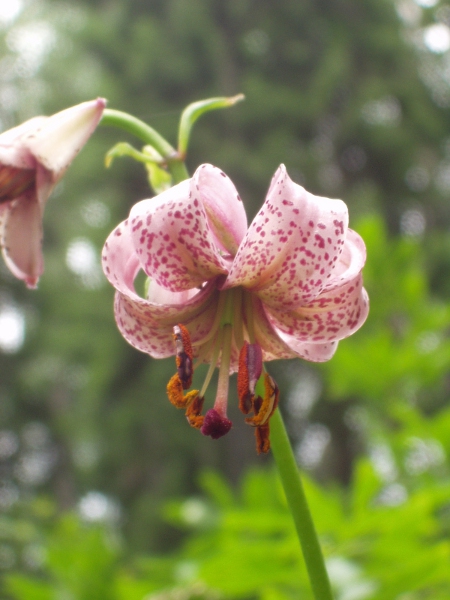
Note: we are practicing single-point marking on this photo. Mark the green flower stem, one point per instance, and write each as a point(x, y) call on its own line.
point(295, 495)
point(148, 135)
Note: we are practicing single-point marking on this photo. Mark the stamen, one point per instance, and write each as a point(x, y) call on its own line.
point(264, 408)
point(262, 439)
point(183, 355)
point(213, 362)
point(215, 325)
point(249, 319)
point(238, 325)
point(194, 412)
point(175, 393)
point(250, 368)
point(221, 401)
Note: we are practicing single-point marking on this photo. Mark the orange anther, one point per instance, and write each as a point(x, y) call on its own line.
point(262, 439)
point(264, 408)
point(193, 412)
point(175, 393)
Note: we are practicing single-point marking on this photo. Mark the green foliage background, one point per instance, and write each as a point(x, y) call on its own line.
point(348, 96)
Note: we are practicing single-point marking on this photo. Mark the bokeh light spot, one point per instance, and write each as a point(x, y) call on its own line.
point(12, 329)
point(437, 38)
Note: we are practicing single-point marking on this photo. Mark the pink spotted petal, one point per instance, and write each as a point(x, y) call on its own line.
point(21, 239)
point(223, 206)
point(161, 307)
point(292, 246)
point(320, 352)
point(149, 327)
point(174, 241)
point(119, 261)
point(330, 317)
point(267, 337)
point(276, 344)
point(121, 266)
point(350, 262)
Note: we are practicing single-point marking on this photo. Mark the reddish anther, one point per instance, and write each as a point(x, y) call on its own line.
point(250, 369)
point(262, 439)
point(175, 393)
point(263, 409)
point(184, 355)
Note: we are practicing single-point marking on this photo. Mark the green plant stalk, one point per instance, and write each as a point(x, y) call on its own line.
point(295, 495)
point(148, 135)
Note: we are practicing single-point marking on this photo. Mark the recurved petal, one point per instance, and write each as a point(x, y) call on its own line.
point(147, 323)
point(273, 346)
point(293, 245)
point(148, 326)
point(351, 261)
point(119, 260)
point(332, 316)
point(174, 241)
point(223, 206)
point(21, 238)
point(313, 352)
point(276, 344)
point(59, 138)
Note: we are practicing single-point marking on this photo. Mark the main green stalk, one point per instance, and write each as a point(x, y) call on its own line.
point(295, 495)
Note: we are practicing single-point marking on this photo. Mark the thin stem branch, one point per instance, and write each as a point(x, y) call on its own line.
point(150, 136)
point(295, 495)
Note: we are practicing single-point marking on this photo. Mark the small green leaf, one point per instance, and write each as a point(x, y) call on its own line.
point(125, 149)
point(192, 112)
point(159, 178)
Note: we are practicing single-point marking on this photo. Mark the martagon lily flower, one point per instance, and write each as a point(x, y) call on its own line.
point(33, 158)
point(288, 286)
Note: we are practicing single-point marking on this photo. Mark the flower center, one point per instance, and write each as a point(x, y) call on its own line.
point(232, 335)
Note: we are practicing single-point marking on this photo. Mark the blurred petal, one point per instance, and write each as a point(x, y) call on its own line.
point(173, 239)
point(292, 246)
point(13, 151)
point(223, 206)
point(21, 239)
point(60, 137)
point(33, 157)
